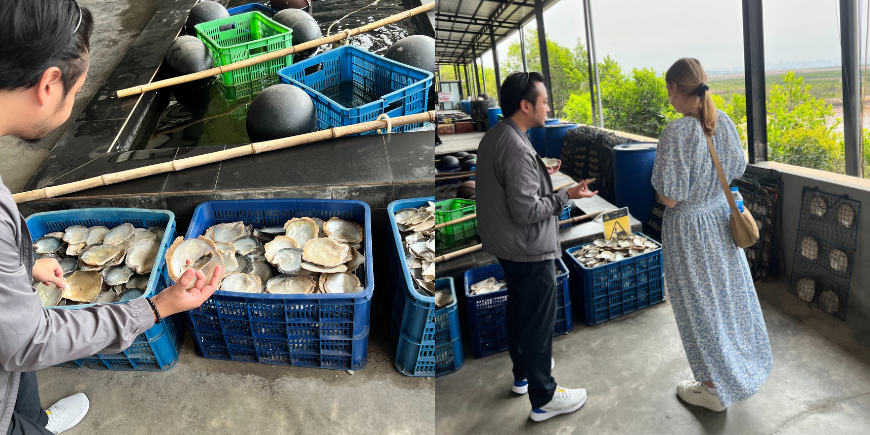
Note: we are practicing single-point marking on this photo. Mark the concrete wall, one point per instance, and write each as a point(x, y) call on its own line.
point(794, 180)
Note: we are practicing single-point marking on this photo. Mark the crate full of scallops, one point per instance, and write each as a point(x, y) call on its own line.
point(298, 283)
point(110, 255)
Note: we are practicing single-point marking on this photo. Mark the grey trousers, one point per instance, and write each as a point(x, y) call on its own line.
point(28, 417)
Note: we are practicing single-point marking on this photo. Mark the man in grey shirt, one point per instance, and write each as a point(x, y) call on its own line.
point(44, 49)
point(517, 215)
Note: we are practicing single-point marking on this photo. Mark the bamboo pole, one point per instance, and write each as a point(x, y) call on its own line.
point(275, 54)
point(449, 174)
point(454, 177)
point(460, 220)
point(219, 156)
point(458, 253)
point(563, 186)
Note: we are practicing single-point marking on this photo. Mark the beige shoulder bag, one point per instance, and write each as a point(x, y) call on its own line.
point(744, 231)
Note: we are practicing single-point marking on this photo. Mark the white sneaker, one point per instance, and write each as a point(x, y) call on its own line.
point(522, 387)
point(564, 401)
point(66, 413)
point(695, 393)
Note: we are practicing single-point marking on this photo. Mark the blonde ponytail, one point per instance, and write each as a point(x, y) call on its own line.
point(690, 78)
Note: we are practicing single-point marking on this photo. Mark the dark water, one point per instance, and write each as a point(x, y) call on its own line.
point(214, 115)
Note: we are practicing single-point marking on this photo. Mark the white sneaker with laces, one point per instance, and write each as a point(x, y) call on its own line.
point(695, 393)
point(66, 413)
point(522, 387)
point(564, 401)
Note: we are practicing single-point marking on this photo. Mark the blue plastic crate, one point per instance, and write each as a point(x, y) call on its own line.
point(566, 214)
point(251, 7)
point(156, 348)
point(487, 313)
point(616, 289)
point(366, 85)
point(316, 330)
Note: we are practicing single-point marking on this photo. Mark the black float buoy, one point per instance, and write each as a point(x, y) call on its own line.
point(280, 111)
point(460, 154)
point(449, 162)
point(466, 165)
point(188, 55)
point(470, 156)
point(289, 4)
point(466, 190)
point(417, 51)
point(204, 12)
point(305, 28)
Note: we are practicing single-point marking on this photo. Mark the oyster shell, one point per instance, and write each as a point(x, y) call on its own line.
point(277, 244)
point(317, 268)
point(302, 230)
point(242, 264)
point(228, 256)
point(806, 289)
point(138, 281)
point(47, 245)
point(75, 234)
point(818, 207)
point(108, 297)
point(201, 252)
point(261, 269)
point(340, 283)
point(142, 234)
point(846, 216)
point(99, 255)
point(227, 233)
point(96, 235)
point(246, 245)
point(49, 294)
point(142, 255)
point(809, 248)
point(325, 251)
point(829, 302)
point(117, 275)
point(839, 260)
point(343, 231)
point(76, 250)
point(241, 283)
point(268, 234)
point(56, 235)
point(119, 234)
point(83, 286)
point(130, 294)
point(299, 285)
point(68, 265)
point(288, 260)
point(405, 215)
point(159, 232)
point(357, 261)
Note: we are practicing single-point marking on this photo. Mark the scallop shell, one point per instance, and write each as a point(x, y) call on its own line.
point(242, 283)
point(49, 294)
point(806, 289)
point(302, 230)
point(96, 235)
point(340, 283)
point(321, 269)
point(119, 234)
point(846, 216)
point(343, 231)
point(47, 245)
point(288, 260)
point(83, 286)
point(142, 255)
point(200, 251)
point(829, 302)
point(298, 285)
point(75, 234)
point(326, 252)
point(226, 233)
point(809, 248)
point(839, 260)
point(117, 275)
point(818, 207)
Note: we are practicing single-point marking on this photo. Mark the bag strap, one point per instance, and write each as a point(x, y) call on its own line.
point(719, 170)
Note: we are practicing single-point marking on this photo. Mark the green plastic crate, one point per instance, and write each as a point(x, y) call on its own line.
point(459, 234)
point(246, 36)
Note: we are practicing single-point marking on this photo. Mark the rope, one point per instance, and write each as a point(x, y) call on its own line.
point(384, 116)
point(329, 30)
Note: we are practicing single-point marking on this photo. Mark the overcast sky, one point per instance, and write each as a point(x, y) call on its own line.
point(655, 33)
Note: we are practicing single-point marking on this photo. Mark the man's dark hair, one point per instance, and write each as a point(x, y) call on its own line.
point(36, 35)
point(519, 86)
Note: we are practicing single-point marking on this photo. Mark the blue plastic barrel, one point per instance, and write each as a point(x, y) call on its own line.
point(554, 135)
point(632, 173)
point(492, 114)
point(465, 106)
point(538, 137)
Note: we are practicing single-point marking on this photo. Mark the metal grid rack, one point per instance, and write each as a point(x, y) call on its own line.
point(825, 251)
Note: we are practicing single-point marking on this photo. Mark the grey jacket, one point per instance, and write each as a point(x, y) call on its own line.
point(33, 338)
point(517, 211)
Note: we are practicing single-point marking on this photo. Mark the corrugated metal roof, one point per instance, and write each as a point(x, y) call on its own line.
point(463, 26)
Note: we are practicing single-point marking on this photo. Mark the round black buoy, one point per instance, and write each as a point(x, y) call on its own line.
point(466, 190)
point(204, 12)
point(417, 51)
point(305, 28)
point(188, 55)
point(466, 165)
point(469, 156)
point(449, 162)
point(460, 154)
point(280, 111)
point(289, 4)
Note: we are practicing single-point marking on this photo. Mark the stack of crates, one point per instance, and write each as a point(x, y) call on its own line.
point(613, 290)
point(457, 235)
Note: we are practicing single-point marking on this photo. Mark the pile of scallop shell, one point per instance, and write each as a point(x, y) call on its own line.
point(100, 265)
point(601, 252)
point(417, 230)
point(305, 256)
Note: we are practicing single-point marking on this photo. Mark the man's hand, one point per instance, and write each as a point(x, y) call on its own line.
point(581, 190)
point(176, 299)
point(554, 169)
point(47, 271)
